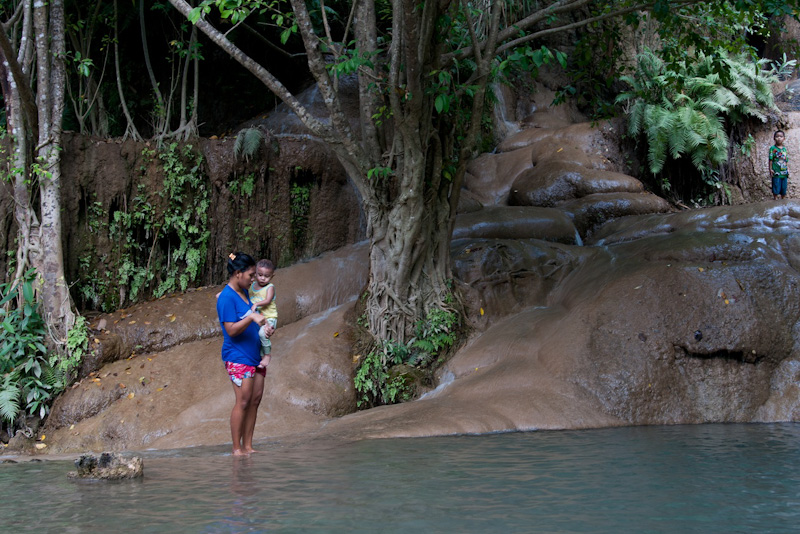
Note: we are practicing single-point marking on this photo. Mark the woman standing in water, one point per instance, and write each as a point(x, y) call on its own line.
point(241, 349)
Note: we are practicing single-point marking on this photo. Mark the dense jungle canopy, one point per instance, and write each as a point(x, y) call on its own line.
point(172, 71)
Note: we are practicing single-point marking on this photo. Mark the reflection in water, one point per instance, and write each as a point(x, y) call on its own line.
point(720, 478)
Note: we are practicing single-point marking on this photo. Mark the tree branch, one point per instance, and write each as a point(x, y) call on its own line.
point(266, 77)
point(23, 85)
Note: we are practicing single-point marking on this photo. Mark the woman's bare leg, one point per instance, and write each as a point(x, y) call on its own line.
point(256, 392)
point(239, 414)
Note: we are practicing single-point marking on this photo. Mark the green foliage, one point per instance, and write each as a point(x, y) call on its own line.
point(248, 141)
point(158, 240)
point(300, 206)
point(30, 379)
point(243, 187)
point(380, 173)
point(686, 109)
point(374, 385)
point(350, 62)
point(598, 61)
point(78, 338)
point(434, 336)
point(185, 216)
point(783, 68)
point(528, 59)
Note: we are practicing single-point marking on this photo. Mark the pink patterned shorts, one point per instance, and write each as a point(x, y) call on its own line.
point(240, 371)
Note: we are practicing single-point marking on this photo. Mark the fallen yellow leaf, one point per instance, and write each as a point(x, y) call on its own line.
point(160, 389)
point(172, 318)
point(42, 438)
point(130, 396)
point(71, 427)
point(96, 341)
point(481, 311)
point(132, 322)
point(559, 150)
point(122, 385)
point(700, 269)
point(336, 334)
point(40, 446)
point(727, 301)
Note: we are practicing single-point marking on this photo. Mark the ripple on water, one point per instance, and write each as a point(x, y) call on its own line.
point(714, 478)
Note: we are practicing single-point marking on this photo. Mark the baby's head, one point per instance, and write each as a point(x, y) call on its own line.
point(264, 271)
point(779, 137)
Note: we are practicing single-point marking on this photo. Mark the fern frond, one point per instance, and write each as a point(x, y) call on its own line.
point(636, 118)
point(9, 399)
point(726, 97)
point(248, 141)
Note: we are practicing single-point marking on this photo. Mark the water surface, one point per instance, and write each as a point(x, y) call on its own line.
point(709, 478)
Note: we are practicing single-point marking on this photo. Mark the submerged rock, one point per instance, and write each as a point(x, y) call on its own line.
point(109, 466)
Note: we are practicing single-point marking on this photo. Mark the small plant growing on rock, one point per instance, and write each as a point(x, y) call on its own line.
point(389, 374)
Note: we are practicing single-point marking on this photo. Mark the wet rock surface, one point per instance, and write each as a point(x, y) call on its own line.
point(675, 318)
point(516, 222)
point(553, 182)
point(109, 466)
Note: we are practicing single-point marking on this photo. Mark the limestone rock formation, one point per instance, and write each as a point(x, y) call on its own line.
point(591, 304)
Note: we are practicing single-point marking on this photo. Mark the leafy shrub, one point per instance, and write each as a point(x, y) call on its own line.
point(30, 377)
point(687, 108)
point(434, 335)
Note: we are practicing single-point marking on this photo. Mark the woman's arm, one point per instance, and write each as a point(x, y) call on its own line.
point(234, 329)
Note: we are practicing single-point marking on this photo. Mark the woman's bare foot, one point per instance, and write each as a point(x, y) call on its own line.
point(250, 450)
point(240, 452)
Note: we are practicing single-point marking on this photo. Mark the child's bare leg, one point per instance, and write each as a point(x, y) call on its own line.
point(241, 406)
point(256, 392)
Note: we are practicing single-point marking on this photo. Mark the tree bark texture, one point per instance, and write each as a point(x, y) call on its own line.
point(36, 159)
point(50, 46)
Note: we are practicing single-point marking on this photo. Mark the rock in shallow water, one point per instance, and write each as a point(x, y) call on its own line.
point(109, 466)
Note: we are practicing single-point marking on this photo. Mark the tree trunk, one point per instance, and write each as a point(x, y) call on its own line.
point(49, 262)
point(409, 266)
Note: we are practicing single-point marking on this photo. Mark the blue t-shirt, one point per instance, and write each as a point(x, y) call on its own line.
point(246, 347)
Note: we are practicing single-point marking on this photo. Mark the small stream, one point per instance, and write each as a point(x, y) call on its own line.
point(706, 478)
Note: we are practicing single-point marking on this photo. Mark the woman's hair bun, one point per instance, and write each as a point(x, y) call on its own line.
point(239, 261)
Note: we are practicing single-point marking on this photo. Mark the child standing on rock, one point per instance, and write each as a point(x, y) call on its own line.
point(263, 297)
point(779, 166)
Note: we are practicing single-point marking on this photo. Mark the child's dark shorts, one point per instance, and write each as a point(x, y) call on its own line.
point(780, 185)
